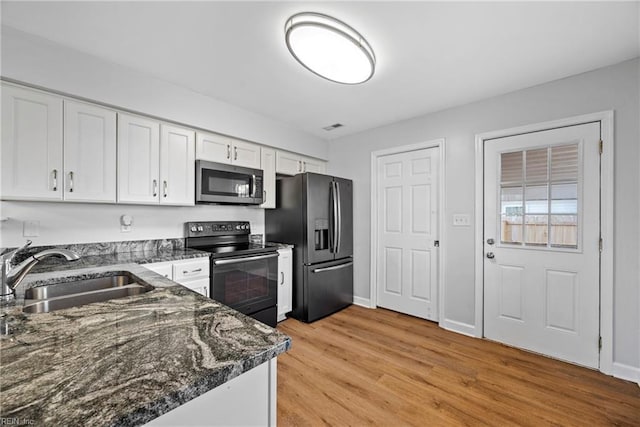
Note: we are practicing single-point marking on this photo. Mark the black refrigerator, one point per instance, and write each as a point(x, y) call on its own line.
point(314, 213)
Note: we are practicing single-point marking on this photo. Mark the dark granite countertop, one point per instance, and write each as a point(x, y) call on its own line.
point(125, 361)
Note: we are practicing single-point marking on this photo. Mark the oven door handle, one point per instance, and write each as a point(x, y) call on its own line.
point(245, 259)
point(335, 267)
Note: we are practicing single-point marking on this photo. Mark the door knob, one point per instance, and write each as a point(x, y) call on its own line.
point(490, 255)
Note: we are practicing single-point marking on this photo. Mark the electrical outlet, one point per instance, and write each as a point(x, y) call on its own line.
point(31, 229)
point(126, 222)
point(461, 220)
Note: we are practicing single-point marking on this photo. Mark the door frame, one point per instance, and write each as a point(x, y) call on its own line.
point(375, 155)
point(606, 222)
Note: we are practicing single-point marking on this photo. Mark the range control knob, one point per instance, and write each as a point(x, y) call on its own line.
point(194, 229)
point(200, 228)
point(238, 227)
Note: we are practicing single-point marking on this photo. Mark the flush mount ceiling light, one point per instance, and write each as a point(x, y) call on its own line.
point(329, 48)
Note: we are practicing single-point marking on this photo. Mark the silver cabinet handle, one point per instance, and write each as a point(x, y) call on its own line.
point(228, 151)
point(235, 153)
point(197, 270)
point(264, 195)
point(491, 255)
point(247, 259)
point(164, 184)
point(304, 166)
point(282, 277)
point(155, 188)
point(335, 267)
point(55, 180)
point(299, 165)
point(70, 182)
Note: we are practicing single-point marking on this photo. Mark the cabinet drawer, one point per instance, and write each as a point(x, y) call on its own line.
point(190, 270)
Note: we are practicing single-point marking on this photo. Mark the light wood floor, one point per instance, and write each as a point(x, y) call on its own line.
point(378, 367)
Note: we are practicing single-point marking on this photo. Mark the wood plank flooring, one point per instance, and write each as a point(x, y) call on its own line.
point(377, 367)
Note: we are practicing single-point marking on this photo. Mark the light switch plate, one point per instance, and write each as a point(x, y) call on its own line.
point(31, 229)
point(461, 220)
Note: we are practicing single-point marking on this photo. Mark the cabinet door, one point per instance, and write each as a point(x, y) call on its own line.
point(268, 165)
point(138, 160)
point(31, 145)
point(200, 286)
point(89, 153)
point(246, 154)
point(162, 268)
point(177, 166)
point(288, 163)
point(213, 148)
point(285, 284)
point(313, 165)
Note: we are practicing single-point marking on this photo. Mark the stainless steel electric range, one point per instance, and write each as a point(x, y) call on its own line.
point(244, 275)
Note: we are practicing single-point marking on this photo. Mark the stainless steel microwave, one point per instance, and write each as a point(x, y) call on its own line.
point(228, 184)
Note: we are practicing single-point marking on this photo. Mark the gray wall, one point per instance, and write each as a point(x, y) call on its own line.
point(612, 88)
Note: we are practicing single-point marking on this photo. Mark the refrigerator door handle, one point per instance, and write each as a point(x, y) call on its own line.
point(334, 218)
point(339, 222)
point(335, 267)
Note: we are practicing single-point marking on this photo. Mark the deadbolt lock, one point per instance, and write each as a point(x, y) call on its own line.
point(490, 241)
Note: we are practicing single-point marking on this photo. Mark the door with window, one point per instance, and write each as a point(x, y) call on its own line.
point(542, 239)
point(407, 229)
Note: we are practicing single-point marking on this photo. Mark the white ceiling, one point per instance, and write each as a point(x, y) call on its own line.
point(431, 55)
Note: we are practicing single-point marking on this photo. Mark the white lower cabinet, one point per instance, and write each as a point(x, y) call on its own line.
point(192, 273)
point(285, 282)
point(246, 400)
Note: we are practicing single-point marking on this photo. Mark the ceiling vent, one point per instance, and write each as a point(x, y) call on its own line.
point(333, 126)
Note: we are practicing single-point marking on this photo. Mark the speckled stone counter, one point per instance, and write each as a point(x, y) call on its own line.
point(126, 361)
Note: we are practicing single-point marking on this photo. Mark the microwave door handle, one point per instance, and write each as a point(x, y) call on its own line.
point(253, 183)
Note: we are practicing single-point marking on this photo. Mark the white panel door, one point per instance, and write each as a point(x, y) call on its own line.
point(541, 230)
point(245, 154)
point(177, 166)
point(138, 160)
point(31, 145)
point(268, 165)
point(407, 272)
point(213, 147)
point(89, 153)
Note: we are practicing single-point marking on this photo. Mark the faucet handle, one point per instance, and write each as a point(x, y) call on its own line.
point(10, 255)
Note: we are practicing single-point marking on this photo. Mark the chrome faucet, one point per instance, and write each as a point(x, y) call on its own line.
point(11, 277)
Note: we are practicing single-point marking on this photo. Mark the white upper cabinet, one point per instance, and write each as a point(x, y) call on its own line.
point(177, 165)
point(223, 149)
point(89, 153)
point(268, 165)
point(246, 154)
point(156, 163)
point(213, 148)
point(138, 160)
point(288, 163)
point(313, 165)
point(31, 145)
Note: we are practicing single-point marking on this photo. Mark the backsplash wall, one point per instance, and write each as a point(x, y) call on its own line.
point(63, 223)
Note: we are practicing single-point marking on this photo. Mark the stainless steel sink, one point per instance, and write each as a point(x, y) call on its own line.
point(57, 296)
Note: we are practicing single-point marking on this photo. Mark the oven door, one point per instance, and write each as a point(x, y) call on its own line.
point(248, 284)
point(220, 183)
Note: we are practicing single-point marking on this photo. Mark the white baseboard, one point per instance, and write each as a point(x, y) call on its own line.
point(364, 302)
point(459, 327)
point(626, 372)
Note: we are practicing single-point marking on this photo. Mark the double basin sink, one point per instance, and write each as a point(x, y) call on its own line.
point(57, 296)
